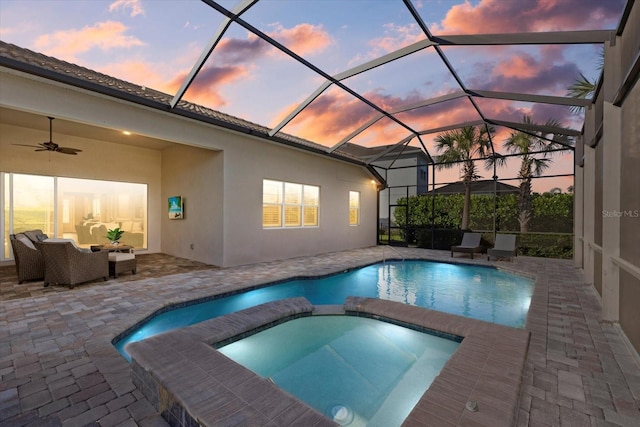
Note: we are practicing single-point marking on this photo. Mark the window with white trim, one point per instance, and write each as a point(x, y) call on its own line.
point(289, 205)
point(354, 208)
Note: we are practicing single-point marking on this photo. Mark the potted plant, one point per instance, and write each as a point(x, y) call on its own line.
point(114, 235)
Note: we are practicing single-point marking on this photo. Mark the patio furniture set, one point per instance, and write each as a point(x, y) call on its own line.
point(60, 261)
point(504, 247)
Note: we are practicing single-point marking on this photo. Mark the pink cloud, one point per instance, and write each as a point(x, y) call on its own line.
point(303, 39)
point(334, 115)
point(138, 72)
point(521, 71)
point(103, 35)
point(519, 66)
point(205, 89)
point(234, 59)
point(496, 16)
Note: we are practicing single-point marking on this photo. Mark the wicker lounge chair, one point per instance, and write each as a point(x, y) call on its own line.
point(28, 259)
point(66, 264)
point(505, 247)
point(470, 244)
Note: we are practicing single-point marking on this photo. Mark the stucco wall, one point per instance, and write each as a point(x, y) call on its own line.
point(248, 161)
point(630, 216)
point(196, 175)
point(98, 160)
point(609, 190)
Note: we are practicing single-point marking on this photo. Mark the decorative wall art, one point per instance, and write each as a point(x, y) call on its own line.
point(176, 207)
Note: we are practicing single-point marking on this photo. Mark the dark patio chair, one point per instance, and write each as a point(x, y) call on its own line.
point(505, 247)
point(470, 244)
point(28, 259)
point(66, 264)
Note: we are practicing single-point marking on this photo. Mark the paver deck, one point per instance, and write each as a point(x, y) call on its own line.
point(58, 367)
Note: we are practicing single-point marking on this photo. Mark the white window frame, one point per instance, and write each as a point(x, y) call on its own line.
point(282, 203)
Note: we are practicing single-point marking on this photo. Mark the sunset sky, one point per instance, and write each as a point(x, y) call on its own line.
point(156, 42)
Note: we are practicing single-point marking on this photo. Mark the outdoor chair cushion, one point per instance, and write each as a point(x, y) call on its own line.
point(73, 242)
point(504, 247)
point(35, 235)
point(26, 241)
point(119, 256)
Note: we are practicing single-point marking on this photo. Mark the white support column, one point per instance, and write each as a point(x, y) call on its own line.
point(589, 180)
point(612, 138)
point(578, 216)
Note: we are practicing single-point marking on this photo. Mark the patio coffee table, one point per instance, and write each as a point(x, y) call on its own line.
point(111, 248)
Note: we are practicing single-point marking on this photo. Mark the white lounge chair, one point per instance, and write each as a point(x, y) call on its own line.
point(470, 244)
point(505, 247)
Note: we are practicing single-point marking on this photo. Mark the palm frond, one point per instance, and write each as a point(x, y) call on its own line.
point(581, 88)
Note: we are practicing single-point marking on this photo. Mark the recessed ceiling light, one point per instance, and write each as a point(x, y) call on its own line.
point(126, 132)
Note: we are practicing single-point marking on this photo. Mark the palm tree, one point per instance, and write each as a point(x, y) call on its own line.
point(524, 144)
point(583, 88)
point(464, 145)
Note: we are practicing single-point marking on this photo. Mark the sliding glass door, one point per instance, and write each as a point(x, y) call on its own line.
point(79, 209)
point(28, 205)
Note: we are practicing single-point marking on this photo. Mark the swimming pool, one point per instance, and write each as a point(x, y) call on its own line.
point(356, 371)
point(478, 292)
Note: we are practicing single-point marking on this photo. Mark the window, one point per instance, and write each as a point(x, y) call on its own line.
point(286, 204)
point(354, 208)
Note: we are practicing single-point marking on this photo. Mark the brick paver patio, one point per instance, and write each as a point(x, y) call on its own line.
point(58, 367)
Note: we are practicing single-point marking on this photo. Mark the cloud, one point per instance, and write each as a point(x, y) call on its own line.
point(394, 38)
point(544, 72)
point(236, 51)
point(102, 35)
point(398, 36)
point(234, 60)
point(496, 16)
point(334, 115)
point(205, 89)
point(303, 39)
point(135, 6)
point(142, 73)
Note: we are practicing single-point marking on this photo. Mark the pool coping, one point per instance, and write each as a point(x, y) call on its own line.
point(191, 383)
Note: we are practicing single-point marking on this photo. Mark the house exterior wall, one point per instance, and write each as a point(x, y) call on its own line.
point(218, 171)
point(630, 219)
point(196, 175)
point(610, 213)
point(245, 168)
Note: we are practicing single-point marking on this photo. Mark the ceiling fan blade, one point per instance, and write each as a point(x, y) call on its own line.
point(42, 149)
point(28, 145)
point(68, 150)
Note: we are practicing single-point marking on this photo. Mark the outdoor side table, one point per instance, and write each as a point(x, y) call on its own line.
point(120, 262)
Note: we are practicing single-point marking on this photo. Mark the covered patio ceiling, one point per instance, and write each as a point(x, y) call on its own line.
point(371, 73)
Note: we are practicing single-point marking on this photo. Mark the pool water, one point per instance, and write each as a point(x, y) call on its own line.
point(478, 292)
point(357, 371)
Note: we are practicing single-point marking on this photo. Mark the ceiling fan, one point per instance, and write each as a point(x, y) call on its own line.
point(52, 146)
